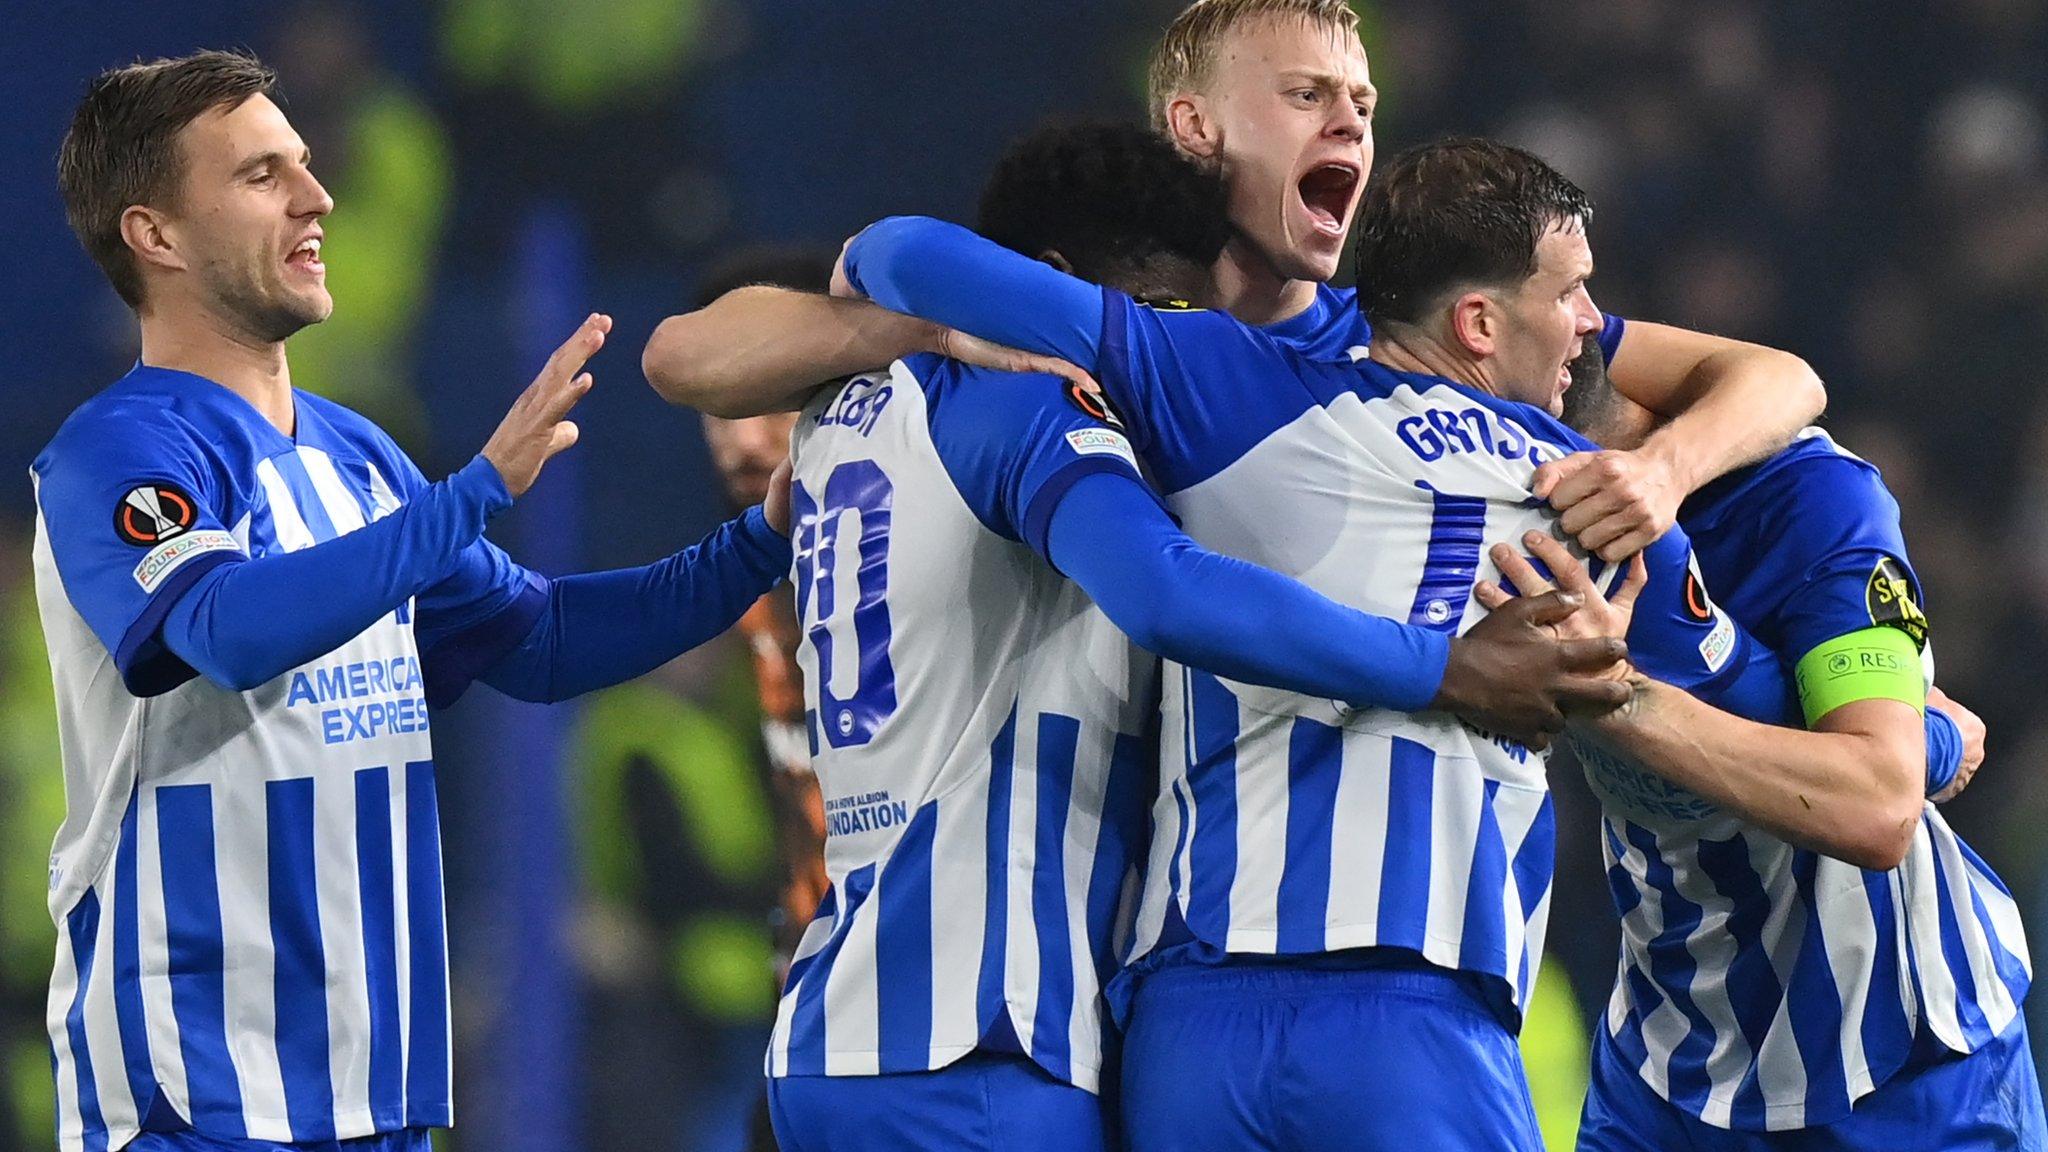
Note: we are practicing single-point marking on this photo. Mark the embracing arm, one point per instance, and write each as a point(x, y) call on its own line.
point(948, 274)
point(1728, 403)
point(764, 349)
point(1238, 620)
point(1851, 789)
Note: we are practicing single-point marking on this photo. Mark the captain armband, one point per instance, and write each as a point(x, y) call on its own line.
point(1879, 663)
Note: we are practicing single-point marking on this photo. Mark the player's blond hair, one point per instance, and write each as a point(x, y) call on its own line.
point(1186, 51)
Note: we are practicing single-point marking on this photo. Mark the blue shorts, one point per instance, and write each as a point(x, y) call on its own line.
point(1988, 1101)
point(983, 1102)
point(1273, 1057)
point(408, 1140)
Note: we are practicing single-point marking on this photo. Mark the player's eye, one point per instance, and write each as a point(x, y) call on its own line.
point(1307, 95)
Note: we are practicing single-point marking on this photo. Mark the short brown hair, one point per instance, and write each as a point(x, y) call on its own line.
point(122, 148)
point(1188, 48)
point(1453, 215)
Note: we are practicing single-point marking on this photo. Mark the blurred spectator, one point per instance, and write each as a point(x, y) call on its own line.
point(383, 155)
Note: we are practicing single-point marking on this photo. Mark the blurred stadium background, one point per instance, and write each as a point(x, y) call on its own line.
point(1863, 183)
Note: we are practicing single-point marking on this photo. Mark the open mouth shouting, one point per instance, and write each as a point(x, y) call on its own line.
point(1329, 191)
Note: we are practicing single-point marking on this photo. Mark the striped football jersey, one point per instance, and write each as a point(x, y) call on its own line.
point(977, 726)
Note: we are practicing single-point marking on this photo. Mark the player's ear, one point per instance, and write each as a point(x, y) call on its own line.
point(147, 234)
point(1052, 256)
point(1191, 127)
point(1475, 323)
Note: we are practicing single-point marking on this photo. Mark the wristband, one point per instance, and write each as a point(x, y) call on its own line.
point(1944, 750)
point(1870, 664)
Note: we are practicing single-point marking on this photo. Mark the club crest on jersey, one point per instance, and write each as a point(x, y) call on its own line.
point(1094, 404)
point(1889, 597)
point(153, 513)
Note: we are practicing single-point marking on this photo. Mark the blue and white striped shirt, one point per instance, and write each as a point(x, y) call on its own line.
point(978, 727)
point(247, 884)
point(1762, 986)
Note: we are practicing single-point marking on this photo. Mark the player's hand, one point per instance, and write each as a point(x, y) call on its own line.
point(1613, 503)
point(1599, 616)
point(958, 345)
point(1972, 729)
point(775, 505)
point(1511, 673)
point(536, 429)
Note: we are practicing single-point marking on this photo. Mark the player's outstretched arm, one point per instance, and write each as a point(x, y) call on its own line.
point(762, 349)
point(597, 629)
point(247, 621)
point(948, 274)
point(1852, 788)
point(1509, 673)
point(1728, 403)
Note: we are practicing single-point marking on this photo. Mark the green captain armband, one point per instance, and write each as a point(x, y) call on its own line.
point(1874, 664)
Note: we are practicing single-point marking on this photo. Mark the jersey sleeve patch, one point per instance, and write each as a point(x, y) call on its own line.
point(151, 514)
point(1888, 594)
point(171, 555)
point(1101, 442)
point(1094, 404)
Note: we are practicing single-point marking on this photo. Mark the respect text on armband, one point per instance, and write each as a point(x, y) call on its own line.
point(362, 699)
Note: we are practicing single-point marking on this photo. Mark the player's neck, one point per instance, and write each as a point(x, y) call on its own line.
point(206, 345)
point(1248, 287)
point(1412, 351)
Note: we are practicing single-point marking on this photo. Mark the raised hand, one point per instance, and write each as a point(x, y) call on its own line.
point(536, 428)
point(1599, 617)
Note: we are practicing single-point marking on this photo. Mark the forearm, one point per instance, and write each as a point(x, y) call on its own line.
point(1231, 618)
point(763, 349)
point(1728, 403)
point(1854, 795)
point(604, 628)
point(246, 623)
point(948, 274)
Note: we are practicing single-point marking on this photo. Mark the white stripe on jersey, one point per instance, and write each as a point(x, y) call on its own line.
point(973, 879)
point(1348, 828)
point(1839, 969)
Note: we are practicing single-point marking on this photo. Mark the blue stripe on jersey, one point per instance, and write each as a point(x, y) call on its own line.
point(1058, 736)
point(1404, 883)
point(1674, 967)
point(184, 814)
point(807, 1022)
point(1121, 841)
point(1817, 1024)
point(292, 469)
point(83, 928)
point(903, 948)
point(2010, 970)
point(1457, 532)
point(989, 1003)
point(1533, 865)
point(380, 944)
point(1752, 983)
point(1315, 763)
point(128, 1012)
point(1485, 935)
point(426, 1068)
point(1175, 930)
point(828, 909)
point(1212, 779)
point(1886, 1028)
point(1968, 1013)
point(301, 972)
